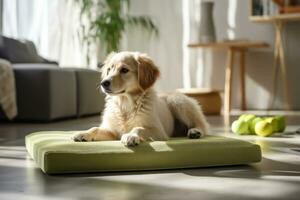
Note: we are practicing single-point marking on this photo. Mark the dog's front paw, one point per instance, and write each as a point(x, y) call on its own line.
point(194, 133)
point(130, 139)
point(82, 137)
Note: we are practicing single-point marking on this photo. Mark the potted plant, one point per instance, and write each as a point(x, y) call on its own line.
point(104, 22)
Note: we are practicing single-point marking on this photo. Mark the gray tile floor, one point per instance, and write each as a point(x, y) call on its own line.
point(276, 177)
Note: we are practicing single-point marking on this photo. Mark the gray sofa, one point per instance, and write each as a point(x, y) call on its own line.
point(89, 98)
point(47, 92)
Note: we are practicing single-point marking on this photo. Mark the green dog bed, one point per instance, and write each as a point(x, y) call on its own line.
point(55, 153)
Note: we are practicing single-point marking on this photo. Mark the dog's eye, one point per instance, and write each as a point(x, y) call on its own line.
point(108, 70)
point(124, 70)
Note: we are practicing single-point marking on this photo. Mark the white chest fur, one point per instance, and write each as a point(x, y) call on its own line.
point(122, 114)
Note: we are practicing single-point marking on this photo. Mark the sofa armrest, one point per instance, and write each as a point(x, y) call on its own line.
point(44, 92)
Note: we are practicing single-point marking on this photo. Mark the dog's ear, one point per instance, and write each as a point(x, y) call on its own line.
point(147, 71)
point(106, 61)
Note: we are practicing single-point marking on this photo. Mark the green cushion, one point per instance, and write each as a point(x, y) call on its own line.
point(56, 153)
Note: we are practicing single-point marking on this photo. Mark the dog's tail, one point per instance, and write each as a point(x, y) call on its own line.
point(188, 111)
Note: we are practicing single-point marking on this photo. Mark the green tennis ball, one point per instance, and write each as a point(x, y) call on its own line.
point(274, 122)
point(249, 118)
point(253, 123)
point(281, 123)
point(263, 128)
point(240, 127)
point(242, 117)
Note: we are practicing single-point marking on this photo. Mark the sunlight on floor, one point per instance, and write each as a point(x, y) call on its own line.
point(14, 156)
point(250, 187)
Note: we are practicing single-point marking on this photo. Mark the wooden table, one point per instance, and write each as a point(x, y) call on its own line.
point(233, 48)
point(279, 57)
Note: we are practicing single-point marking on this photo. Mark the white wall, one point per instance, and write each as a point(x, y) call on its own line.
point(259, 62)
point(231, 17)
point(166, 49)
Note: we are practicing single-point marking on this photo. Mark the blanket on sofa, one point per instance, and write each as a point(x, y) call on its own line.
point(7, 90)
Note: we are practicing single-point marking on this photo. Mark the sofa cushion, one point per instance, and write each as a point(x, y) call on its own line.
point(32, 48)
point(55, 153)
point(18, 52)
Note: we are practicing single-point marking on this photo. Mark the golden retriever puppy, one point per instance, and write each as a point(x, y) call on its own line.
point(134, 112)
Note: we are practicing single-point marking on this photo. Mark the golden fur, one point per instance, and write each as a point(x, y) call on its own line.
point(133, 111)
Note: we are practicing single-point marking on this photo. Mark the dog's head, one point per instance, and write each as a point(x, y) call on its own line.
point(128, 72)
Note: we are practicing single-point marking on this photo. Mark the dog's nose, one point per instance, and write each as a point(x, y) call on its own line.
point(105, 83)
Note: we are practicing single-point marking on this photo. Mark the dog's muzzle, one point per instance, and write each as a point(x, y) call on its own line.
point(106, 84)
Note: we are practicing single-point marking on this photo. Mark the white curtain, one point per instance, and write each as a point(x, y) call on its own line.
point(52, 25)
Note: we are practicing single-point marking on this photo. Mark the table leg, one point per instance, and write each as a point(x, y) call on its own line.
point(275, 66)
point(242, 79)
point(283, 66)
point(228, 82)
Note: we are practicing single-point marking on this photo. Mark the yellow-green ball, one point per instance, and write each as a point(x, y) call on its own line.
point(274, 122)
point(263, 128)
point(253, 123)
point(281, 123)
point(242, 117)
point(240, 127)
point(249, 118)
